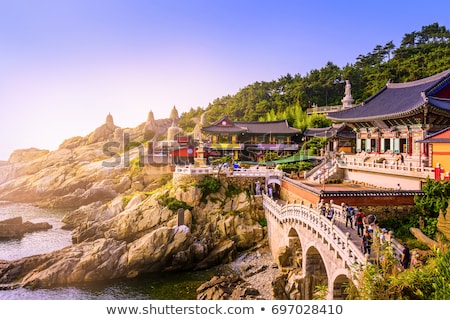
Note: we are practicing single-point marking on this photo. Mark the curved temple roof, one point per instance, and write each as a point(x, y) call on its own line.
point(225, 125)
point(399, 99)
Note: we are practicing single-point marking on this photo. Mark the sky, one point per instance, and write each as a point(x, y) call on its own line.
point(64, 65)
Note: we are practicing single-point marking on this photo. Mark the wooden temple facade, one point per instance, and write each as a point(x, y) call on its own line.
point(248, 140)
point(401, 115)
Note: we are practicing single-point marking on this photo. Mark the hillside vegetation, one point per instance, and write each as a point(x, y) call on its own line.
point(420, 54)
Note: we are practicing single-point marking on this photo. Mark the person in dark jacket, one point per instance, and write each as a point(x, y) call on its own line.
point(406, 256)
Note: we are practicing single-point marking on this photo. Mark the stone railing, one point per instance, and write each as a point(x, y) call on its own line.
point(191, 170)
point(230, 172)
point(340, 215)
point(315, 222)
point(263, 172)
point(407, 169)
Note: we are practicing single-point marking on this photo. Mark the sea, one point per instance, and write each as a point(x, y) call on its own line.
point(160, 286)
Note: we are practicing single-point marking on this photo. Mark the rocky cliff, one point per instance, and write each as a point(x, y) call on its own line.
point(121, 220)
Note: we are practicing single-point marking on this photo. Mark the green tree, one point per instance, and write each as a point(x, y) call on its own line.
point(420, 54)
point(436, 198)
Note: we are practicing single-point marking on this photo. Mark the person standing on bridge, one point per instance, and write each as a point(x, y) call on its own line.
point(330, 210)
point(366, 242)
point(359, 222)
point(349, 216)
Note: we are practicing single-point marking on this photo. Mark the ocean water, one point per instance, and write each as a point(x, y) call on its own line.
point(165, 286)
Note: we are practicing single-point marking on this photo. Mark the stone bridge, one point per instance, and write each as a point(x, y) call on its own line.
point(326, 254)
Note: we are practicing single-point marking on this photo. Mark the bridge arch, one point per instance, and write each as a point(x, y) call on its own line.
point(295, 246)
point(300, 238)
point(315, 272)
point(340, 283)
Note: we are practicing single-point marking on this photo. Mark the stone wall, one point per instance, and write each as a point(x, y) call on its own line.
point(291, 193)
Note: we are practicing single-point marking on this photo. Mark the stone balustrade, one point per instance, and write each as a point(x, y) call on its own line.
point(407, 169)
point(333, 231)
point(311, 219)
point(230, 172)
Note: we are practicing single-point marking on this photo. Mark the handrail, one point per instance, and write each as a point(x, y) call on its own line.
point(311, 218)
point(230, 172)
point(396, 168)
point(327, 228)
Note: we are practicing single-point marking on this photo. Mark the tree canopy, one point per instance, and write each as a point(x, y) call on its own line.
point(420, 54)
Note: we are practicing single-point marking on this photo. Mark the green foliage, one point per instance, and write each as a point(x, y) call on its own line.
point(441, 283)
point(320, 292)
point(430, 227)
point(135, 167)
point(232, 190)
point(314, 145)
point(421, 54)
point(401, 225)
point(126, 199)
point(208, 185)
point(437, 195)
point(262, 222)
point(386, 281)
point(226, 159)
point(318, 121)
point(296, 166)
point(271, 156)
point(188, 120)
point(172, 203)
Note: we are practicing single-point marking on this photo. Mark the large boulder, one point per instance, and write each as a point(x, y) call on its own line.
point(102, 259)
point(230, 287)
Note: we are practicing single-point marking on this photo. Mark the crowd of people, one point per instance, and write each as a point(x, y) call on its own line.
point(367, 229)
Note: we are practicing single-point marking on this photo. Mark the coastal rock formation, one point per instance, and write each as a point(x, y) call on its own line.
point(124, 243)
point(98, 260)
point(23, 155)
point(16, 228)
point(121, 221)
point(135, 234)
point(103, 133)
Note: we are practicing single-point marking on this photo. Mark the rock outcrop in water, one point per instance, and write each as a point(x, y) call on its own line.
point(121, 225)
point(16, 227)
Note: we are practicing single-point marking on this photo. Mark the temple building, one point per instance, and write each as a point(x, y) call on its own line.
point(438, 145)
point(399, 116)
point(340, 137)
point(248, 140)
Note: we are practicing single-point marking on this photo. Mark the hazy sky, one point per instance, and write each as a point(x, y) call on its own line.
point(65, 64)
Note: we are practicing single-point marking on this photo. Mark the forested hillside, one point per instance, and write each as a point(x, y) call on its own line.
point(420, 54)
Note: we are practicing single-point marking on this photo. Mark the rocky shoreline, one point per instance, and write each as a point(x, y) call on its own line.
point(251, 277)
point(132, 219)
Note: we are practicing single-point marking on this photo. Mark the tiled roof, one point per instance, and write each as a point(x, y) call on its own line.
point(398, 99)
point(274, 127)
point(225, 125)
point(336, 130)
point(439, 136)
